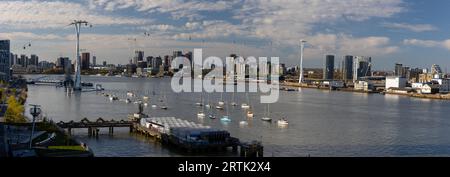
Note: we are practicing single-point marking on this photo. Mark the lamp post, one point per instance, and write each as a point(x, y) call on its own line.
point(34, 111)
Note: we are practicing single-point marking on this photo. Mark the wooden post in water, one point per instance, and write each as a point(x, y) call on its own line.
point(89, 131)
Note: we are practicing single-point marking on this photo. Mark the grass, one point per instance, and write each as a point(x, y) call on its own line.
point(73, 148)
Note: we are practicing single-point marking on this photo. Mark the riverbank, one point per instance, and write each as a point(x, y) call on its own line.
point(437, 96)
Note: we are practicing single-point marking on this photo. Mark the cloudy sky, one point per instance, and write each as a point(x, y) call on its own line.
point(415, 32)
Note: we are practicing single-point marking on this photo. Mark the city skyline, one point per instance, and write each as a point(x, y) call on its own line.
point(390, 31)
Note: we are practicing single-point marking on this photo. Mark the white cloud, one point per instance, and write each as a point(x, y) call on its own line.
point(177, 8)
point(428, 43)
point(54, 14)
point(411, 27)
point(28, 36)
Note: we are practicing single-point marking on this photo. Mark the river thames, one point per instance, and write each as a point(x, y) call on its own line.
point(321, 122)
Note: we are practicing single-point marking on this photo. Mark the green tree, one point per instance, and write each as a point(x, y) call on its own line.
point(14, 112)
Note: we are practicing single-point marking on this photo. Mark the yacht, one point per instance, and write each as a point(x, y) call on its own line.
point(201, 114)
point(127, 100)
point(250, 114)
point(212, 116)
point(225, 119)
point(282, 122)
point(245, 106)
point(268, 119)
point(219, 107)
point(243, 123)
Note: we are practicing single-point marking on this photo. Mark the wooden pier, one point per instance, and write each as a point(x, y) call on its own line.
point(94, 126)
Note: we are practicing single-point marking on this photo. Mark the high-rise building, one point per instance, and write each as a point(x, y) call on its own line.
point(5, 65)
point(347, 68)
point(362, 67)
point(22, 61)
point(328, 69)
point(138, 56)
point(94, 61)
point(85, 57)
point(104, 63)
point(63, 62)
point(34, 60)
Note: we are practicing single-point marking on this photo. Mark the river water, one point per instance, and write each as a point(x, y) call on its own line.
point(321, 122)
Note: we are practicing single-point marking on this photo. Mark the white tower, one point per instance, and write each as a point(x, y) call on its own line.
point(78, 24)
point(302, 46)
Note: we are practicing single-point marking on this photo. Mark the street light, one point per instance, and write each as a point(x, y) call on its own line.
point(34, 111)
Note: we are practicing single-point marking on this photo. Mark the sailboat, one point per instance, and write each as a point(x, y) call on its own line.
point(207, 103)
point(282, 122)
point(163, 100)
point(233, 103)
point(267, 116)
point(201, 113)
point(245, 105)
point(201, 101)
point(221, 103)
point(226, 118)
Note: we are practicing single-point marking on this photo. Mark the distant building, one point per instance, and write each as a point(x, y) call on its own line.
point(328, 68)
point(34, 60)
point(361, 67)
point(5, 66)
point(104, 63)
point(425, 77)
point(444, 85)
point(436, 69)
point(85, 60)
point(94, 61)
point(63, 62)
point(395, 82)
point(347, 68)
point(138, 56)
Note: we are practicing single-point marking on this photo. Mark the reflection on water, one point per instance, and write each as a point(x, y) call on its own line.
point(321, 123)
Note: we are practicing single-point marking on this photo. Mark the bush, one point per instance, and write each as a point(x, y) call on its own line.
point(14, 112)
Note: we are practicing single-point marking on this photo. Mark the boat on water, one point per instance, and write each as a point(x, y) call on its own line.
point(243, 123)
point(130, 94)
point(199, 104)
point(146, 104)
point(154, 106)
point(212, 116)
point(113, 98)
point(282, 122)
point(233, 104)
point(219, 107)
point(245, 106)
point(221, 103)
point(145, 98)
point(201, 114)
point(268, 119)
point(208, 106)
point(250, 114)
point(225, 119)
point(127, 100)
point(164, 107)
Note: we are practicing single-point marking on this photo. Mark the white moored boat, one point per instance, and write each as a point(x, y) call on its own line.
point(245, 106)
point(282, 122)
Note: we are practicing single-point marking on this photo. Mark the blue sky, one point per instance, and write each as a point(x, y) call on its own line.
point(414, 33)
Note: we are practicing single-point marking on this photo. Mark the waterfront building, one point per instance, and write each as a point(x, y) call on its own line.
point(347, 68)
point(5, 65)
point(426, 88)
point(395, 82)
point(361, 67)
point(444, 85)
point(363, 86)
point(328, 69)
point(104, 63)
point(85, 59)
point(425, 77)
